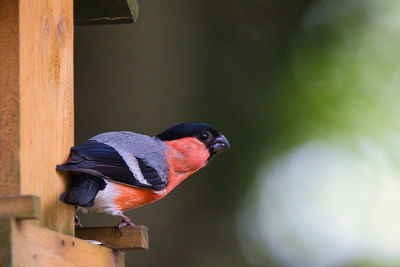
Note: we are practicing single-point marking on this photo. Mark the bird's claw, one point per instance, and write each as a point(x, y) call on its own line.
point(120, 225)
point(125, 222)
point(78, 222)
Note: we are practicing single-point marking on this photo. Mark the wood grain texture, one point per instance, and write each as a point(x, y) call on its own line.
point(36, 103)
point(92, 12)
point(46, 105)
point(133, 237)
point(9, 98)
point(33, 246)
point(22, 207)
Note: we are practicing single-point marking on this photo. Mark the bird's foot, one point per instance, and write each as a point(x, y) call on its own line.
point(125, 222)
point(78, 222)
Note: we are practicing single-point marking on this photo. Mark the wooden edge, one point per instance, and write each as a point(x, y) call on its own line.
point(133, 237)
point(9, 99)
point(20, 207)
point(5, 242)
point(95, 12)
point(25, 244)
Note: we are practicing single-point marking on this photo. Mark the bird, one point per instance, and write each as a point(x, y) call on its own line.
point(115, 172)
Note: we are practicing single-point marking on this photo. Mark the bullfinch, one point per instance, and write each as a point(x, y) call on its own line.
point(115, 172)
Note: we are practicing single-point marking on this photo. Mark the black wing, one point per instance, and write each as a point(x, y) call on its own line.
point(104, 161)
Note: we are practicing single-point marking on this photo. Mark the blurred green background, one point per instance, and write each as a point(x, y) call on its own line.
point(307, 93)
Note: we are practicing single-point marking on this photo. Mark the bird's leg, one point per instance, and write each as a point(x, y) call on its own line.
point(78, 222)
point(125, 221)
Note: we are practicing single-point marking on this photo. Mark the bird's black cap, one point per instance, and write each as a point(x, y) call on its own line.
point(214, 140)
point(187, 129)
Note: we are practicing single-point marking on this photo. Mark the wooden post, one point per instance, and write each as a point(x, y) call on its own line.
point(36, 133)
point(36, 103)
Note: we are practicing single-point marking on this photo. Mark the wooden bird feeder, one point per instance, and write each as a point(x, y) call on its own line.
point(37, 131)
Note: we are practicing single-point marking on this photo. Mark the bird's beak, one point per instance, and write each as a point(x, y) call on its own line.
point(220, 144)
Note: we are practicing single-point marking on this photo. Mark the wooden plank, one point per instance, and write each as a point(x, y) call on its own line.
point(23, 207)
point(9, 98)
point(46, 105)
point(133, 237)
point(91, 12)
point(35, 246)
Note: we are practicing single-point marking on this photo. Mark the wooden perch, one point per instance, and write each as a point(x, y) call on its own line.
point(91, 12)
point(133, 237)
point(21, 207)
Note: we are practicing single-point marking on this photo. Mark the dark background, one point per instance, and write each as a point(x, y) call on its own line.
point(210, 61)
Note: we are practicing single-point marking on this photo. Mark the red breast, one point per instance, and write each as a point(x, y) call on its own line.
point(184, 157)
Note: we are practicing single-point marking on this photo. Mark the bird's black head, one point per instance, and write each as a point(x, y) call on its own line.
point(214, 140)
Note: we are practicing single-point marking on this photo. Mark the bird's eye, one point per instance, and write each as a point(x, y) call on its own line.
point(204, 136)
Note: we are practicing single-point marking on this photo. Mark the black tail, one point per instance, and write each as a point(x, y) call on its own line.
point(83, 190)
